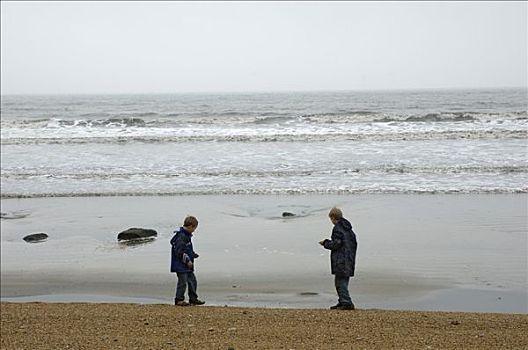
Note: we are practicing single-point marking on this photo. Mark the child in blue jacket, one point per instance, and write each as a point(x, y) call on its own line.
point(182, 262)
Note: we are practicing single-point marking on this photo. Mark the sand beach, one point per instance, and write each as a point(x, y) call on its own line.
point(133, 326)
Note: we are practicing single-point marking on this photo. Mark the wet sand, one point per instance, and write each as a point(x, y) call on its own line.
point(416, 252)
point(133, 326)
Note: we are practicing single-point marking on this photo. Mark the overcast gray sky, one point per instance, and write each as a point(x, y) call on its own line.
point(142, 47)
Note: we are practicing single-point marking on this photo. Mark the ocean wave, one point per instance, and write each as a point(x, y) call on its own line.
point(438, 117)
point(97, 123)
point(284, 137)
point(228, 118)
point(26, 174)
point(279, 191)
point(273, 120)
point(434, 117)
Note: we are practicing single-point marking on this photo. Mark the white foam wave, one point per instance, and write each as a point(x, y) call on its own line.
point(268, 133)
point(26, 174)
point(102, 120)
point(278, 191)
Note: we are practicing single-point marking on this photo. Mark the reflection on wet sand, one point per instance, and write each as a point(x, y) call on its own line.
point(134, 243)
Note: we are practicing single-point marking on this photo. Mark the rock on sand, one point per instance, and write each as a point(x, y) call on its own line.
point(136, 233)
point(35, 237)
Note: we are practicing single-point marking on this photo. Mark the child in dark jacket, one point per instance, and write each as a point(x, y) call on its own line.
point(343, 247)
point(182, 262)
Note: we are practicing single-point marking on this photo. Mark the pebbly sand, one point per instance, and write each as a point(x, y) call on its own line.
point(135, 326)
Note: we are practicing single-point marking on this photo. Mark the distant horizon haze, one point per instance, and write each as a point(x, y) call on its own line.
point(140, 47)
point(257, 92)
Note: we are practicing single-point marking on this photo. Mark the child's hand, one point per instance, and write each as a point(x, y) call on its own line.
point(190, 264)
point(322, 242)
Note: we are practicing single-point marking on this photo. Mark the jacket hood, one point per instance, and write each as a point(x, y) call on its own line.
point(345, 224)
point(182, 230)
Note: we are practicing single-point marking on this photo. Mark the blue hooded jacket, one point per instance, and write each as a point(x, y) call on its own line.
point(182, 251)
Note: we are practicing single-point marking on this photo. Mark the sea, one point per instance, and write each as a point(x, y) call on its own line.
point(435, 183)
point(346, 142)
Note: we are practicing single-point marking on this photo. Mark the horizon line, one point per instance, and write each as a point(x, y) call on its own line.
point(241, 92)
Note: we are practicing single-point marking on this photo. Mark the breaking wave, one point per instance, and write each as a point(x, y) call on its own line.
point(383, 169)
point(282, 137)
point(278, 191)
point(152, 119)
point(383, 179)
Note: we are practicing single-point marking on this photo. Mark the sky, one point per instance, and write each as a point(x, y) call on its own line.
point(173, 47)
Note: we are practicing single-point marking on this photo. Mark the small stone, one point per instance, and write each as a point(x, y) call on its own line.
point(455, 323)
point(232, 329)
point(35, 237)
point(211, 329)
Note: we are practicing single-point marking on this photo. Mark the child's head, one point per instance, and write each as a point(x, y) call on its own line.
point(335, 215)
point(190, 223)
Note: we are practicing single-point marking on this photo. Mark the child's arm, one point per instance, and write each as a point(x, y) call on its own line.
point(335, 243)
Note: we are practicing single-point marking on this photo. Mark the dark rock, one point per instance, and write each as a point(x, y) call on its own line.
point(35, 237)
point(287, 214)
point(136, 233)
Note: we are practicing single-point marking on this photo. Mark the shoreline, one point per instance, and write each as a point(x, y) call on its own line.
point(409, 295)
point(101, 326)
point(360, 193)
point(416, 252)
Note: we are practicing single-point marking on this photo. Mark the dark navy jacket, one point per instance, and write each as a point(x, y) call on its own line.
point(343, 245)
point(182, 251)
